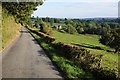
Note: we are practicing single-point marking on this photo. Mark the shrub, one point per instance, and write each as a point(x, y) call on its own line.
point(45, 28)
point(44, 36)
point(80, 55)
point(86, 60)
point(71, 29)
point(49, 39)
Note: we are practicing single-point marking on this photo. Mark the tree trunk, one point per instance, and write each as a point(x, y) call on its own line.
point(116, 50)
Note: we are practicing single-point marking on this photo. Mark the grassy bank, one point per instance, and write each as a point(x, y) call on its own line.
point(67, 67)
point(10, 29)
point(91, 42)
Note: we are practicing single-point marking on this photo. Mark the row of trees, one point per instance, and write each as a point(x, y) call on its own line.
point(21, 10)
point(91, 27)
point(112, 38)
point(47, 19)
point(109, 32)
point(42, 25)
point(83, 26)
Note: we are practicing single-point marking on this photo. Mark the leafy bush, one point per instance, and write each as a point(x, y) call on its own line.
point(80, 55)
point(104, 74)
point(44, 36)
point(86, 60)
point(71, 29)
point(67, 67)
point(45, 28)
point(49, 39)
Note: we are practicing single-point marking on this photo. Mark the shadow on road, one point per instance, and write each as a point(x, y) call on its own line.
point(35, 41)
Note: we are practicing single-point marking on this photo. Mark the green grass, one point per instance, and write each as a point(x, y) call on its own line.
point(86, 40)
point(109, 60)
point(10, 28)
point(66, 66)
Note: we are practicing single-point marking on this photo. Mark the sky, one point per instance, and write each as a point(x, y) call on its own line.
point(77, 9)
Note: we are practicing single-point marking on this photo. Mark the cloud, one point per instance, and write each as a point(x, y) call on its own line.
point(77, 9)
point(82, 0)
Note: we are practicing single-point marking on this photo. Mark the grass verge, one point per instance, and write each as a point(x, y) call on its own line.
point(67, 67)
point(10, 29)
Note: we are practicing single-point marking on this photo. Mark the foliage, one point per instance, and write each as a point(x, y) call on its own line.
point(79, 54)
point(45, 28)
point(13, 14)
point(10, 29)
point(71, 29)
point(21, 10)
point(87, 60)
point(91, 42)
point(84, 26)
point(68, 68)
point(112, 39)
point(44, 36)
point(29, 22)
point(80, 30)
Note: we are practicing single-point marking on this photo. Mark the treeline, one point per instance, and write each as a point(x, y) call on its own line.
point(102, 20)
point(14, 14)
point(21, 10)
point(109, 29)
point(83, 26)
point(47, 19)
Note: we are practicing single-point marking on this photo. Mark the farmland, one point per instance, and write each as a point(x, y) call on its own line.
point(89, 42)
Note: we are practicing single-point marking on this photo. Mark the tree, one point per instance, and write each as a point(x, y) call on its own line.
point(68, 21)
point(51, 21)
point(21, 10)
point(112, 38)
point(29, 22)
point(71, 29)
point(40, 21)
point(80, 30)
point(45, 28)
point(56, 20)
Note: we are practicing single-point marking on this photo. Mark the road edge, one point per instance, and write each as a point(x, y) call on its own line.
point(10, 44)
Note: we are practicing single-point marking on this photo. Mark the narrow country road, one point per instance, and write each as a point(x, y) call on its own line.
point(26, 59)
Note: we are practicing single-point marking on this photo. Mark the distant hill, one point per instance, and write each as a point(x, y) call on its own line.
point(112, 20)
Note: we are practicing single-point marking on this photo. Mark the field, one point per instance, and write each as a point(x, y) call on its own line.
point(90, 42)
point(65, 66)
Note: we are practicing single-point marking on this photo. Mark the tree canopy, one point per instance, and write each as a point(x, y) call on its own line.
point(21, 10)
point(112, 38)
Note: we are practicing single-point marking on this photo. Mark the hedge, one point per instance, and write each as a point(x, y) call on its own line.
point(82, 57)
point(45, 37)
point(87, 60)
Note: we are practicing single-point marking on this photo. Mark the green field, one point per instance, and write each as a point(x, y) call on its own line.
point(90, 42)
point(67, 68)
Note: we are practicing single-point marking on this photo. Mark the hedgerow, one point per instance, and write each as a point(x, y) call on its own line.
point(45, 37)
point(85, 59)
point(81, 57)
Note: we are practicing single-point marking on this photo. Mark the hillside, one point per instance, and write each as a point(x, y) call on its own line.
point(90, 42)
point(10, 29)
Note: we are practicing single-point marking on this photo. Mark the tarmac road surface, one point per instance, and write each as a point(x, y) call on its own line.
point(26, 59)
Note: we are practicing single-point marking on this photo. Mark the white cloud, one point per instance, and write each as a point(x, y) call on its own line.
point(78, 9)
point(82, 0)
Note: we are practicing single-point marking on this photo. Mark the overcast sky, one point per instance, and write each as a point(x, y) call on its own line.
point(77, 9)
